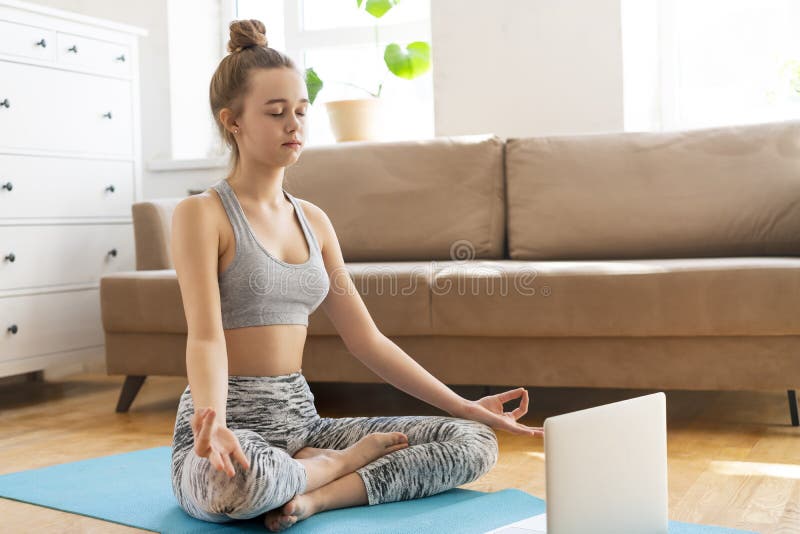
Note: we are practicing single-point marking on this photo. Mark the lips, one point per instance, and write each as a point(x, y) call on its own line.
point(292, 143)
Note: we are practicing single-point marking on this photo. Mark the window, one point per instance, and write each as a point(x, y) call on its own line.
point(338, 41)
point(192, 61)
point(694, 64)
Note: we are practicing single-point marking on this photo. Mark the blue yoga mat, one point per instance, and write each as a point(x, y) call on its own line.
point(134, 489)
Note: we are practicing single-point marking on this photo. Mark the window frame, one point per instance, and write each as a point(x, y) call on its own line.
point(297, 42)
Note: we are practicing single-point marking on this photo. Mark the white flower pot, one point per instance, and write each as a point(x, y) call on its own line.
point(357, 119)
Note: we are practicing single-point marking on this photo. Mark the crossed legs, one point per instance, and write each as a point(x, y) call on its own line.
point(443, 453)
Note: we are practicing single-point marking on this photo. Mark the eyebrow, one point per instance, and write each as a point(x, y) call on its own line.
point(282, 100)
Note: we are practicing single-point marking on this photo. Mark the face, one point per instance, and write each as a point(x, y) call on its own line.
point(274, 113)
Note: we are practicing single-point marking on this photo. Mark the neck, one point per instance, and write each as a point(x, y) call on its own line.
point(263, 185)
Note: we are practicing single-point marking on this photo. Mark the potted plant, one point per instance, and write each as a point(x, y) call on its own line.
point(357, 119)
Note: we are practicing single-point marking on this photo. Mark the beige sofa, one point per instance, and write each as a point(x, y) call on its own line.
point(639, 260)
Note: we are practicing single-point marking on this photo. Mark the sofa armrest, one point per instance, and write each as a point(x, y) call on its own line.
point(142, 301)
point(152, 221)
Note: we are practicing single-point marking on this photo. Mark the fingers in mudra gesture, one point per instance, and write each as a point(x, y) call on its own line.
point(216, 442)
point(489, 410)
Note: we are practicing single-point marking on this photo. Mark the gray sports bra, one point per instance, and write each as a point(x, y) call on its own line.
point(260, 289)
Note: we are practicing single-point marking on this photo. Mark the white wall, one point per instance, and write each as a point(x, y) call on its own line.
point(512, 67)
point(527, 67)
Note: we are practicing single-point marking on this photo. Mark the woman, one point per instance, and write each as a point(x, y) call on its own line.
point(253, 262)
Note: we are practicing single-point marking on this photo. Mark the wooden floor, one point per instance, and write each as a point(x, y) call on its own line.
point(734, 458)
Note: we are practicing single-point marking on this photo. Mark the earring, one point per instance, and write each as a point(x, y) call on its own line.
point(236, 131)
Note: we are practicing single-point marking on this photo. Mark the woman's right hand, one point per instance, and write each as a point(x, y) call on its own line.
point(216, 442)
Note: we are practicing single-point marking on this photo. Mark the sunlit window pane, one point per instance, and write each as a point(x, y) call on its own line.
point(355, 72)
point(343, 67)
point(730, 59)
point(324, 14)
point(270, 12)
point(352, 70)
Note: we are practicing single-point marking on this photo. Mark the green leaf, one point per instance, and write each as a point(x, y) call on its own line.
point(313, 84)
point(415, 62)
point(378, 8)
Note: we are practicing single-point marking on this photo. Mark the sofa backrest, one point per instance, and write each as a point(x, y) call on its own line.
point(438, 198)
point(724, 191)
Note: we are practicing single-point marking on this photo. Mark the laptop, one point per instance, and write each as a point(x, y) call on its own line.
point(605, 471)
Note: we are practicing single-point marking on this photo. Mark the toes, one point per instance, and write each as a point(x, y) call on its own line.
point(279, 522)
point(288, 508)
point(397, 447)
point(399, 437)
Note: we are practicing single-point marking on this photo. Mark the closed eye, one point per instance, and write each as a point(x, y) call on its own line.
point(280, 114)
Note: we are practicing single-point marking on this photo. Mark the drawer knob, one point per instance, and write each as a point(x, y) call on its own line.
point(8, 185)
point(121, 58)
point(112, 252)
point(110, 188)
point(42, 43)
point(5, 103)
point(73, 48)
point(13, 329)
point(10, 257)
point(107, 114)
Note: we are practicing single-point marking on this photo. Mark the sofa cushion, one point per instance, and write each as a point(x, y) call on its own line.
point(657, 297)
point(431, 199)
point(727, 191)
point(397, 295)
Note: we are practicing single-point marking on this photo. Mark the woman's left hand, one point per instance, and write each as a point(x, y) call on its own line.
point(489, 410)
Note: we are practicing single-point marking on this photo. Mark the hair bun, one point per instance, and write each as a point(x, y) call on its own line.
point(245, 34)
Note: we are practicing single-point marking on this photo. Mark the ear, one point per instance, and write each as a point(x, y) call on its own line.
point(226, 118)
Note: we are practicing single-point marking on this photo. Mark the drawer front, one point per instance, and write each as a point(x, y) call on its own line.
point(48, 255)
point(49, 322)
point(101, 56)
point(51, 109)
point(34, 187)
point(27, 41)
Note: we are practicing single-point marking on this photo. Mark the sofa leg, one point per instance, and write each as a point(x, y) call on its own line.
point(130, 388)
point(793, 407)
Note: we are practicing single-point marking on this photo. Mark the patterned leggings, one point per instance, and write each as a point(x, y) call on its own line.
point(274, 417)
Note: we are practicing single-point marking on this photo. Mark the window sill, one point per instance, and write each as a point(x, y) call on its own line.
point(167, 165)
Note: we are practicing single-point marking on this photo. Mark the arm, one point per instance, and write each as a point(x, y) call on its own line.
point(194, 246)
point(350, 316)
point(390, 362)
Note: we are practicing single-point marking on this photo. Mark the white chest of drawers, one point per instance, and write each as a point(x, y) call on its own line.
point(70, 169)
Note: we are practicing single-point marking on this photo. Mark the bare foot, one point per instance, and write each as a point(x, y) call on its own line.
point(310, 452)
point(369, 448)
point(359, 454)
point(365, 450)
point(299, 508)
point(323, 466)
point(373, 446)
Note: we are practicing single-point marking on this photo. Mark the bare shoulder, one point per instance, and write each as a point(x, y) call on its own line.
point(319, 220)
point(200, 202)
point(201, 210)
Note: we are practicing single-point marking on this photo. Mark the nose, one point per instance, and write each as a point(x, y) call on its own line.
point(294, 123)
